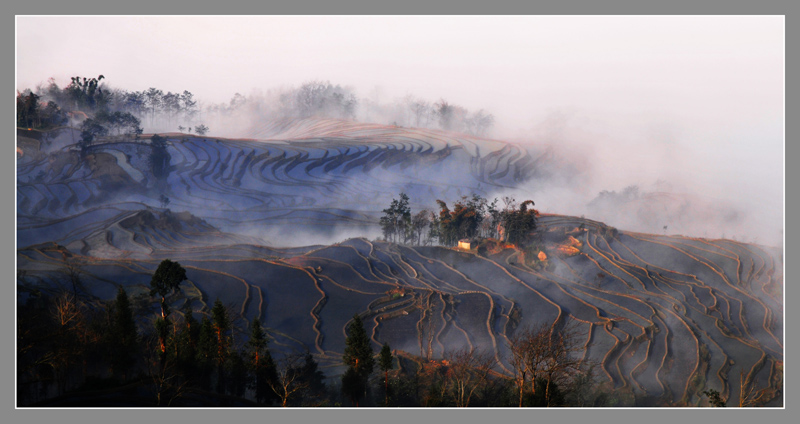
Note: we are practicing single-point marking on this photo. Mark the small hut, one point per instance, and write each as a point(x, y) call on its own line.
point(467, 244)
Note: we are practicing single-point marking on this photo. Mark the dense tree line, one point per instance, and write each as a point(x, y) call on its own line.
point(120, 111)
point(161, 111)
point(70, 341)
point(318, 98)
point(68, 344)
point(31, 113)
point(471, 217)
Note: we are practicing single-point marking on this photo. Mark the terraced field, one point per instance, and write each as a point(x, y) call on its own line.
point(325, 177)
point(665, 317)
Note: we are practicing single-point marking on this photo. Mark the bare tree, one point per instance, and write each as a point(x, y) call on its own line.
point(289, 381)
point(72, 269)
point(479, 123)
point(561, 360)
point(747, 395)
point(421, 111)
point(467, 371)
point(529, 352)
point(68, 313)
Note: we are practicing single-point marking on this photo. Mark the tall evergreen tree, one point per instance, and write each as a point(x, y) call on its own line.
point(236, 373)
point(188, 339)
point(261, 363)
point(206, 352)
point(165, 280)
point(124, 336)
point(385, 362)
point(221, 325)
point(358, 356)
point(312, 378)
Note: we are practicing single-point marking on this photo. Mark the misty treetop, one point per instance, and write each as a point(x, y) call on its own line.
point(161, 111)
point(32, 113)
point(119, 108)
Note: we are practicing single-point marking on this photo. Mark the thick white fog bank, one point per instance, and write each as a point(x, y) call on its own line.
point(697, 178)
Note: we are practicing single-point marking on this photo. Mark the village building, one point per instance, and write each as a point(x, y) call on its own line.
point(467, 244)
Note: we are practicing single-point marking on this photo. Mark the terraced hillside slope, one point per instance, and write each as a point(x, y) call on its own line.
point(664, 317)
point(319, 176)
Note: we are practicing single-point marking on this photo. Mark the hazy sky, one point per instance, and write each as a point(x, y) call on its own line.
point(700, 97)
point(723, 68)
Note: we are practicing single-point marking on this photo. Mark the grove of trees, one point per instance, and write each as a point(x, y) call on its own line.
point(471, 217)
point(162, 111)
point(117, 111)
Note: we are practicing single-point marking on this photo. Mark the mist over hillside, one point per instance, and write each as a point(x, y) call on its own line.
point(546, 211)
point(686, 188)
point(664, 317)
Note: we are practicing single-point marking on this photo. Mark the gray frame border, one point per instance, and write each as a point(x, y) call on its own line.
point(321, 7)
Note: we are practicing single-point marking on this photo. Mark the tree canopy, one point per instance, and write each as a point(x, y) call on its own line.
point(396, 220)
point(168, 276)
point(358, 356)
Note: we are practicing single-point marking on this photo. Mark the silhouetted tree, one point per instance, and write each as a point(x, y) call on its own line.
point(714, 398)
point(165, 280)
point(236, 373)
point(201, 130)
point(396, 220)
point(90, 130)
point(358, 356)
point(120, 122)
point(463, 221)
point(168, 276)
point(154, 100)
point(187, 342)
point(289, 378)
point(419, 222)
point(467, 371)
point(547, 394)
point(86, 93)
point(206, 352)
point(124, 336)
point(30, 113)
point(518, 223)
point(385, 362)
point(312, 380)
point(260, 361)
point(159, 157)
point(222, 325)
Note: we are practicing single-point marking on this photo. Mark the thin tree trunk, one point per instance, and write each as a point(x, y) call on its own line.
point(547, 392)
